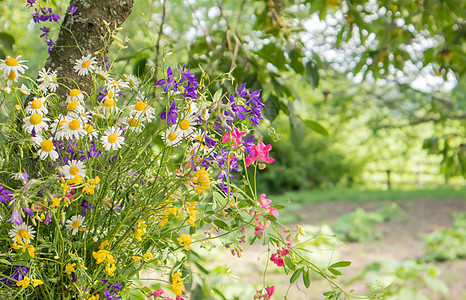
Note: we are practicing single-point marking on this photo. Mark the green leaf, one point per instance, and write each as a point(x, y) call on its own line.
point(296, 60)
point(7, 40)
point(306, 278)
point(316, 127)
point(242, 204)
point(295, 275)
point(220, 199)
point(334, 272)
point(20, 263)
point(220, 224)
point(340, 264)
point(312, 74)
point(4, 261)
point(270, 217)
point(436, 285)
point(2, 54)
point(271, 108)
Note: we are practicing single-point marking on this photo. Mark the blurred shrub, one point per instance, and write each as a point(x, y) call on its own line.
point(358, 226)
point(448, 243)
point(315, 163)
point(406, 280)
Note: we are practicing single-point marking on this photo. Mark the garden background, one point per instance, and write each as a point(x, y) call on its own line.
point(365, 111)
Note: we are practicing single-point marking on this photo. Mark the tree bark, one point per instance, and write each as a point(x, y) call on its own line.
point(83, 33)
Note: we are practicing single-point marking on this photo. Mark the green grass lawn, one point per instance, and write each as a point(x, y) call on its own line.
point(361, 195)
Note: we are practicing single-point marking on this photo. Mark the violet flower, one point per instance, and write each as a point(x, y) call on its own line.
point(45, 31)
point(171, 115)
point(72, 9)
point(169, 82)
point(5, 195)
point(16, 217)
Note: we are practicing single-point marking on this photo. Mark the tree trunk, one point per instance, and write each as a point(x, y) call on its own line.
point(83, 33)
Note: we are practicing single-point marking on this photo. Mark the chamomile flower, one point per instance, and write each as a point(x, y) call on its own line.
point(111, 95)
point(46, 148)
point(132, 80)
point(116, 85)
point(192, 108)
point(75, 224)
point(133, 124)
point(12, 67)
point(186, 125)
point(58, 127)
point(112, 139)
point(75, 107)
point(48, 80)
point(24, 90)
point(109, 107)
point(172, 136)
point(73, 169)
point(74, 128)
point(103, 74)
point(22, 232)
point(85, 65)
point(198, 137)
point(91, 132)
point(35, 122)
point(37, 106)
point(142, 110)
point(75, 95)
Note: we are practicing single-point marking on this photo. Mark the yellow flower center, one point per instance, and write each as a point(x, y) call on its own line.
point(172, 136)
point(75, 224)
point(74, 92)
point(115, 82)
point(74, 170)
point(199, 138)
point(72, 105)
point(133, 122)
point(109, 103)
point(85, 64)
point(35, 119)
point(12, 76)
point(184, 125)
point(89, 128)
point(112, 138)
point(36, 104)
point(46, 146)
point(140, 106)
point(23, 233)
point(110, 95)
point(74, 125)
point(11, 62)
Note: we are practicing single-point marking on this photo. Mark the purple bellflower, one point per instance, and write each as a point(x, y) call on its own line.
point(171, 116)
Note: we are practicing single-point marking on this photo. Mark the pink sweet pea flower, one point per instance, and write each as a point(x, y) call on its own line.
point(270, 290)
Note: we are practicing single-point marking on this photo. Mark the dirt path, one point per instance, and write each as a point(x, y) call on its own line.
point(402, 240)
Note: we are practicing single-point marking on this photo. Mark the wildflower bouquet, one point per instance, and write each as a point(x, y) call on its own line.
point(100, 185)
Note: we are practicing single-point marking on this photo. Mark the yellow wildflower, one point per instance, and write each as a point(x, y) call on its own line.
point(89, 189)
point(94, 297)
point(36, 282)
point(186, 239)
point(75, 180)
point(137, 258)
point(96, 180)
point(148, 256)
point(55, 202)
point(177, 284)
point(100, 255)
point(30, 249)
point(70, 268)
point(110, 268)
point(104, 244)
point(202, 181)
point(24, 283)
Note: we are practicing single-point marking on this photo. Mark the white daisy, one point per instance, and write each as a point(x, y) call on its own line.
point(142, 110)
point(75, 95)
point(192, 108)
point(112, 139)
point(12, 67)
point(35, 122)
point(85, 65)
point(37, 106)
point(132, 80)
point(186, 125)
point(24, 90)
point(74, 128)
point(111, 95)
point(109, 107)
point(48, 80)
point(91, 132)
point(133, 124)
point(172, 136)
point(58, 127)
point(46, 148)
point(22, 232)
point(198, 137)
point(73, 169)
point(116, 85)
point(75, 107)
point(103, 74)
point(75, 223)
